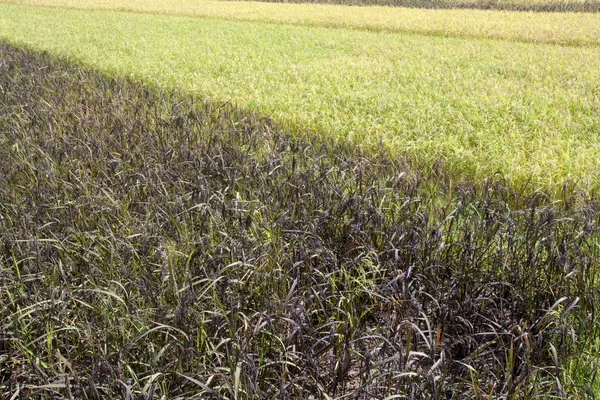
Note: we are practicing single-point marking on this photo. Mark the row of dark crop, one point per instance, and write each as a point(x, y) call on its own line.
point(152, 244)
point(588, 6)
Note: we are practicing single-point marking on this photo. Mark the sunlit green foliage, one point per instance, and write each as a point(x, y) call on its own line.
point(527, 111)
point(575, 29)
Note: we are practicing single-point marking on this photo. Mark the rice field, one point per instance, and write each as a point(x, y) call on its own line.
point(153, 245)
point(479, 107)
point(510, 5)
point(201, 201)
point(573, 29)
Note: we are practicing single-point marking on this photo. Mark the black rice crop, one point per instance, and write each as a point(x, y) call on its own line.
point(587, 6)
point(153, 245)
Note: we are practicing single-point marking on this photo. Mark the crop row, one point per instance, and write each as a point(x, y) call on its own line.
point(591, 6)
point(527, 111)
point(573, 29)
point(154, 244)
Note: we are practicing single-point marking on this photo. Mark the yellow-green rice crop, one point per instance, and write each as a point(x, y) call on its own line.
point(512, 5)
point(530, 111)
point(582, 29)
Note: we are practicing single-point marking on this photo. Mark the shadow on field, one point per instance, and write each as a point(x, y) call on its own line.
point(155, 245)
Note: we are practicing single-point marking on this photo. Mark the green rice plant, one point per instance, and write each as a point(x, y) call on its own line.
point(153, 244)
point(573, 29)
point(526, 111)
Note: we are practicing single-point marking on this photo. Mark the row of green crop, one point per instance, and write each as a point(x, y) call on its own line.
point(526, 111)
point(573, 29)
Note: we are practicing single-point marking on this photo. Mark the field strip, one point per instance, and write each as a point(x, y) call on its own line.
point(507, 5)
point(575, 29)
point(529, 111)
point(149, 235)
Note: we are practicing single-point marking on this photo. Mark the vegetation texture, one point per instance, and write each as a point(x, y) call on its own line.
point(507, 5)
point(573, 29)
point(528, 111)
point(154, 245)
